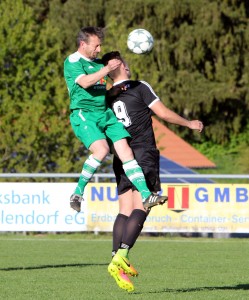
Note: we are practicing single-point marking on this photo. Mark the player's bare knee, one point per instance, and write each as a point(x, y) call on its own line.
point(101, 153)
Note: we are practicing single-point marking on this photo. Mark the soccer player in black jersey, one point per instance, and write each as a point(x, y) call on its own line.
point(133, 102)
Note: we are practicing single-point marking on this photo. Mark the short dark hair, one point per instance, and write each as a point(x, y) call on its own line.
point(111, 55)
point(85, 32)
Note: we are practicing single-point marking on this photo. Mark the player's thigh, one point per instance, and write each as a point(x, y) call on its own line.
point(126, 203)
point(137, 201)
point(114, 130)
point(85, 127)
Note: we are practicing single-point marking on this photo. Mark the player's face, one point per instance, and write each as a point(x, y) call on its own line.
point(92, 48)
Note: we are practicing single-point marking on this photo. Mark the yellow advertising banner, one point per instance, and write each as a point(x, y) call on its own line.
point(217, 208)
point(190, 208)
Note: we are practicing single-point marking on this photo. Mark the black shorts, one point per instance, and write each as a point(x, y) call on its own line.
point(148, 159)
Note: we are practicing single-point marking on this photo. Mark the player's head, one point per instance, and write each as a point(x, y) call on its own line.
point(123, 68)
point(89, 41)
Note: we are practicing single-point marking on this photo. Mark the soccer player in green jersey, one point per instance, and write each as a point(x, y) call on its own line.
point(93, 123)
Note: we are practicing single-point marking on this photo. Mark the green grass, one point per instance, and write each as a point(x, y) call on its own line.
point(75, 267)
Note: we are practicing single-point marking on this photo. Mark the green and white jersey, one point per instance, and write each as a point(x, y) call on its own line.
point(92, 98)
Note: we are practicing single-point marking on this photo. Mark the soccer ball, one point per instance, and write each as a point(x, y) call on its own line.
point(140, 41)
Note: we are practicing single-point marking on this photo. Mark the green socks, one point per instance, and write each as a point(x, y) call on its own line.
point(89, 168)
point(135, 174)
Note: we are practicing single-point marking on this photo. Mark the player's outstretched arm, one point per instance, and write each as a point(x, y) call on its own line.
point(168, 115)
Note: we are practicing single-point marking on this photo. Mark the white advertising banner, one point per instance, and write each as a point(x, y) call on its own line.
point(45, 207)
point(39, 207)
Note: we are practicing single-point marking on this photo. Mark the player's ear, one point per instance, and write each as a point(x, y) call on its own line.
point(123, 65)
point(83, 44)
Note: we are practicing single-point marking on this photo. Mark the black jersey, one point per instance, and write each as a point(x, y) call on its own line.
point(131, 100)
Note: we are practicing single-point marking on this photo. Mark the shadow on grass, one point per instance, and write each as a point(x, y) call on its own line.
point(50, 267)
point(199, 289)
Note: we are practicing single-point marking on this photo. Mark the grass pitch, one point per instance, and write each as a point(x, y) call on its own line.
point(75, 267)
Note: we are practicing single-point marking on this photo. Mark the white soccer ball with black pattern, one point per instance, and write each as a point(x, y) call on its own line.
point(140, 41)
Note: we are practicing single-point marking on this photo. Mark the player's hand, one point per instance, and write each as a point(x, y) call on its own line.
point(196, 125)
point(113, 64)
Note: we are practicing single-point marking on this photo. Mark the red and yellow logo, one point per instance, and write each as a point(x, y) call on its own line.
point(178, 198)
